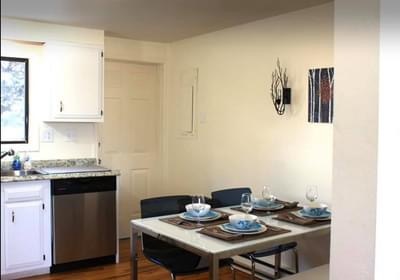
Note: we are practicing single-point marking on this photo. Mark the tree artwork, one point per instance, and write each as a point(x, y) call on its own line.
point(320, 95)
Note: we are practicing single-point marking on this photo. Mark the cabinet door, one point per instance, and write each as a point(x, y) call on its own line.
point(76, 83)
point(24, 236)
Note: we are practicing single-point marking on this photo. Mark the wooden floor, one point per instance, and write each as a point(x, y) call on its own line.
point(147, 270)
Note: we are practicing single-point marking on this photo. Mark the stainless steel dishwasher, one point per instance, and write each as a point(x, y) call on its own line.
point(84, 222)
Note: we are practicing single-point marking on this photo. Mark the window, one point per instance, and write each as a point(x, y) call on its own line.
point(14, 100)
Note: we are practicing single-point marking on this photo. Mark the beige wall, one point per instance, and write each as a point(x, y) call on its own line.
point(33, 31)
point(133, 50)
point(240, 138)
point(355, 139)
point(366, 141)
point(388, 192)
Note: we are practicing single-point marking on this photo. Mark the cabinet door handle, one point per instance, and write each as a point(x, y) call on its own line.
point(61, 106)
point(12, 216)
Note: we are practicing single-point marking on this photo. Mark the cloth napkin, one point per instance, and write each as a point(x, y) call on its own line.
point(288, 204)
point(292, 218)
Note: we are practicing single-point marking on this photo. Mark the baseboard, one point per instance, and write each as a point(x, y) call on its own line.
point(27, 273)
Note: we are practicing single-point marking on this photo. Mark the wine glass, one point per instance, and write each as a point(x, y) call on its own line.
point(198, 206)
point(312, 193)
point(267, 194)
point(246, 203)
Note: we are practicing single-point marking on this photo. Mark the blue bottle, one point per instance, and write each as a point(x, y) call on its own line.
point(16, 164)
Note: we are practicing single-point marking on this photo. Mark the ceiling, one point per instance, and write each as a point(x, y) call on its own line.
point(151, 20)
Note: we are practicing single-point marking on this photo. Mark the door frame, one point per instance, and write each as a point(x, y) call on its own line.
point(162, 141)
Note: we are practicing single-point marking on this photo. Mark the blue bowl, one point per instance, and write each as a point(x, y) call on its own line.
point(242, 221)
point(315, 210)
point(264, 202)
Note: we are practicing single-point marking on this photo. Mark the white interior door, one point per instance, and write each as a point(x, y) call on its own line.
point(129, 136)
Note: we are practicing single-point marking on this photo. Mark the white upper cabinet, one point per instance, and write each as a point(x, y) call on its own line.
point(75, 80)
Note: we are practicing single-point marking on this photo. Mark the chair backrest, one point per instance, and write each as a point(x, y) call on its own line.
point(164, 205)
point(228, 197)
point(158, 206)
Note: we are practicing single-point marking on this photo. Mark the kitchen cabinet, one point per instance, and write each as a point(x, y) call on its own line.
point(25, 227)
point(75, 82)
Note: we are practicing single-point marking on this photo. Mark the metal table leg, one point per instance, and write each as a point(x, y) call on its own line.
point(134, 258)
point(214, 267)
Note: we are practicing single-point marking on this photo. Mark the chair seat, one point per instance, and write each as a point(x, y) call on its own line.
point(174, 259)
point(179, 261)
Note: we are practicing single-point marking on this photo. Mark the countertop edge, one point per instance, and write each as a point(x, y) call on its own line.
point(8, 179)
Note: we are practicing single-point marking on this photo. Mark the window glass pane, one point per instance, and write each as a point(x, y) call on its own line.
point(14, 94)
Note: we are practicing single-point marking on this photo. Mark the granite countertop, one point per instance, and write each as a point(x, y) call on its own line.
point(6, 179)
point(59, 163)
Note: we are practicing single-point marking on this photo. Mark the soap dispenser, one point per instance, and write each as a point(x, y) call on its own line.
point(27, 163)
point(16, 164)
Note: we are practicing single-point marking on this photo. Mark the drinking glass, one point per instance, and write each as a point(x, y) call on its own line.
point(198, 206)
point(246, 203)
point(267, 194)
point(312, 193)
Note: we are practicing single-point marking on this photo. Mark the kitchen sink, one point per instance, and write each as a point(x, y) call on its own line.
point(17, 173)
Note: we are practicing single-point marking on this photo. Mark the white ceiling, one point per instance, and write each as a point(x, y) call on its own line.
point(152, 20)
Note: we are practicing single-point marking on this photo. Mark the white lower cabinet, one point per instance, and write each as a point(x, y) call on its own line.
point(25, 228)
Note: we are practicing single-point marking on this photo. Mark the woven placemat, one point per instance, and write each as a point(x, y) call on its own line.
point(182, 223)
point(289, 207)
point(294, 219)
point(217, 232)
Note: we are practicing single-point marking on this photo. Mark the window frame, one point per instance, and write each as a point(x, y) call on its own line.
point(26, 61)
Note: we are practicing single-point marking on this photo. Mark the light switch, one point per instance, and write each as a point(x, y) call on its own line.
point(202, 117)
point(70, 135)
point(47, 135)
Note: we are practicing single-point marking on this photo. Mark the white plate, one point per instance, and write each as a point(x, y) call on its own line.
point(215, 216)
point(261, 230)
point(304, 215)
point(254, 227)
point(270, 208)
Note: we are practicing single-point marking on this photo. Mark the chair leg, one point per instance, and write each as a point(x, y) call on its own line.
point(253, 269)
point(233, 270)
point(296, 260)
point(173, 276)
point(277, 266)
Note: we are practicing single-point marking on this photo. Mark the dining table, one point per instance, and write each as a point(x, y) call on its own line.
point(212, 248)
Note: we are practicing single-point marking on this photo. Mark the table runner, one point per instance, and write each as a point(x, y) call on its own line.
point(294, 219)
point(182, 223)
point(217, 232)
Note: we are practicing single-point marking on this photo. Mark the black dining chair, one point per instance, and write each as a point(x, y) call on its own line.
point(232, 196)
point(176, 260)
point(228, 197)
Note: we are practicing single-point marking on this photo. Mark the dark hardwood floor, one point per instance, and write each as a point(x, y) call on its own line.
point(147, 270)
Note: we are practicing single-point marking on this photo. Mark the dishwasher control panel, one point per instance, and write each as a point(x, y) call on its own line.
point(83, 185)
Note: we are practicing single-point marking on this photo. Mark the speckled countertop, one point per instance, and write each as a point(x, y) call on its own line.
point(57, 163)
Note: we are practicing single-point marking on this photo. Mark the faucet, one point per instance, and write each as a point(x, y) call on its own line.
point(8, 153)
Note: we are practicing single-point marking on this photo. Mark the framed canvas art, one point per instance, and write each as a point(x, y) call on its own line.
point(320, 95)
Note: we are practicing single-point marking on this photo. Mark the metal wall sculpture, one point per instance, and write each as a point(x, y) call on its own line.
point(280, 93)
